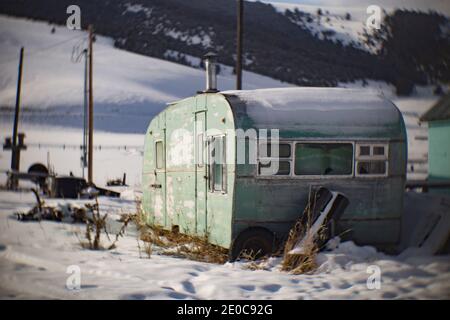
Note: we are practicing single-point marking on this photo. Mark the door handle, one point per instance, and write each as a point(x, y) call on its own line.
point(156, 186)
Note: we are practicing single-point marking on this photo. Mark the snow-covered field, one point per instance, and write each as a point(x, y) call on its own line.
point(114, 155)
point(35, 257)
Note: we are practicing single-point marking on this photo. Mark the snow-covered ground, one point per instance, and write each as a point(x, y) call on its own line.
point(114, 154)
point(35, 257)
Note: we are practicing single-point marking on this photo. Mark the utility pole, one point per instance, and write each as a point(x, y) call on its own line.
point(84, 159)
point(91, 111)
point(14, 145)
point(240, 38)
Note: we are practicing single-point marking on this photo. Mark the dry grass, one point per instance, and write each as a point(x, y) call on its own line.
point(304, 262)
point(95, 226)
point(40, 211)
point(300, 263)
point(185, 246)
point(148, 249)
point(175, 243)
point(95, 222)
point(125, 219)
point(253, 263)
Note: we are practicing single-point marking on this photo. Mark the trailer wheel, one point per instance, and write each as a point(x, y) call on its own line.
point(40, 169)
point(254, 241)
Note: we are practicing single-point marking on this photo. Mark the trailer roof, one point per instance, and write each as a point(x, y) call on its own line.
point(439, 111)
point(317, 112)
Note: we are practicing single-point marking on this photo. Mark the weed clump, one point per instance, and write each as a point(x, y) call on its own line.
point(303, 260)
point(177, 244)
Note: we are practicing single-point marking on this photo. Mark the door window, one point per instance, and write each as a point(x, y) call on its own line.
point(217, 164)
point(159, 150)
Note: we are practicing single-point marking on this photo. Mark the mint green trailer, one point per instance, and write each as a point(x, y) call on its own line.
point(438, 118)
point(439, 150)
point(351, 141)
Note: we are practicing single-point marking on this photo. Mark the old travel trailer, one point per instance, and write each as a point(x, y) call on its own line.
point(204, 169)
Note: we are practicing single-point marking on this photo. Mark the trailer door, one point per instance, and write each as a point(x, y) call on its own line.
point(159, 185)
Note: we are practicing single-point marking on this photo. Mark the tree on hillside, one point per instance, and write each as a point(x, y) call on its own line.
point(417, 44)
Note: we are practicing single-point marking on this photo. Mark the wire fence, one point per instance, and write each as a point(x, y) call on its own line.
point(80, 146)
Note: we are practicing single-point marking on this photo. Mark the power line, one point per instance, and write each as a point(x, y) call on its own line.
point(32, 53)
point(78, 50)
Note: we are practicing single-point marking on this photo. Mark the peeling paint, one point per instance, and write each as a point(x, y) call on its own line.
point(170, 197)
point(159, 207)
point(180, 150)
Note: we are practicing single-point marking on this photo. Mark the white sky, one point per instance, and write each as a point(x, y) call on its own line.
point(442, 6)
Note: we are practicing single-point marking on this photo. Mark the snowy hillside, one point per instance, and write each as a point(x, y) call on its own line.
point(345, 24)
point(157, 28)
point(128, 88)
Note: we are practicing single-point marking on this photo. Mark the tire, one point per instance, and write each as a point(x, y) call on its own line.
point(40, 169)
point(258, 241)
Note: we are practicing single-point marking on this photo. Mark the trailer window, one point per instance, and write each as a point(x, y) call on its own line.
point(364, 150)
point(159, 150)
point(371, 167)
point(269, 165)
point(217, 164)
point(323, 159)
point(200, 152)
point(284, 168)
point(372, 159)
point(265, 150)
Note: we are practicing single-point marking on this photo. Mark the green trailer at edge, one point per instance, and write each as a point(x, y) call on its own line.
point(347, 140)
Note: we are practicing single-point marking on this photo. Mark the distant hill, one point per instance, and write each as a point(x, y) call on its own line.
point(279, 45)
point(129, 88)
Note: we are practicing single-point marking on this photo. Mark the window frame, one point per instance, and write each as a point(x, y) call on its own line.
point(163, 167)
point(372, 158)
point(211, 177)
point(292, 174)
point(289, 159)
point(200, 154)
point(327, 176)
